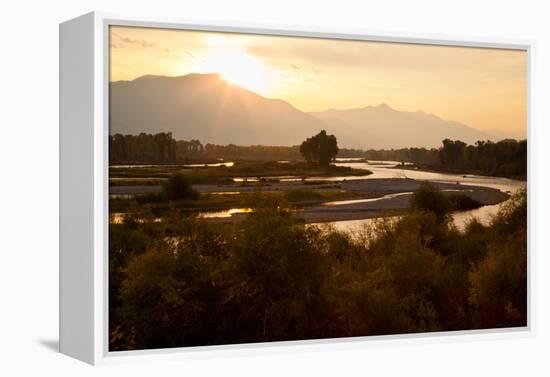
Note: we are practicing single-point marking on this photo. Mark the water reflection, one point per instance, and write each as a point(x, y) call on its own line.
point(390, 169)
point(142, 166)
point(120, 217)
point(226, 164)
point(355, 226)
point(369, 200)
point(224, 214)
point(379, 169)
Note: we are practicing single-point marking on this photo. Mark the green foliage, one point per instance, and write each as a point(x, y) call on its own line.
point(321, 148)
point(408, 272)
point(165, 300)
point(498, 284)
point(278, 275)
point(428, 197)
point(187, 281)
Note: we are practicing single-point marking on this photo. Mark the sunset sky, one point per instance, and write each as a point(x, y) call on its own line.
point(483, 88)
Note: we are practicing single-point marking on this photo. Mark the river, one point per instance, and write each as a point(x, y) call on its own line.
point(387, 169)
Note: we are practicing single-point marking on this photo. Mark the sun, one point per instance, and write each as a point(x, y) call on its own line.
point(236, 67)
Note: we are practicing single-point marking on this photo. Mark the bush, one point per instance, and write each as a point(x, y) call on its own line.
point(276, 278)
point(463, 202)
point(187, 281)
point(498, 284)
point(164, 301)
point(427, 197)
point(178, 187)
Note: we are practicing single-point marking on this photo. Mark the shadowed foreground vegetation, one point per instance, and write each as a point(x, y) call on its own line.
point(188, 282)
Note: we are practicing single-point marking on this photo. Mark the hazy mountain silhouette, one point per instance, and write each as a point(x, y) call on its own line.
point(207, 108)
point(383, 127)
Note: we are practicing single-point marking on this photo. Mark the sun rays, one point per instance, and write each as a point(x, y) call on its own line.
point(236, 67)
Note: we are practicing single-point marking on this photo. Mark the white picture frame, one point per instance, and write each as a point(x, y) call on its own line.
point(84, 84)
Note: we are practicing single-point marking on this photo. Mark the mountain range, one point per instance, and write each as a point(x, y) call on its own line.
point(207, 108)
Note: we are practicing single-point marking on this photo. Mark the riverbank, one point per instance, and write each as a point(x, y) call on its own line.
point(381, 198)
point(391, 204)
point(441, 170)
point(319, 202)
point(227, 172)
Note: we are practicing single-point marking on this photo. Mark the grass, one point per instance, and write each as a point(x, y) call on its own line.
point(223, 174)
point(207, 201)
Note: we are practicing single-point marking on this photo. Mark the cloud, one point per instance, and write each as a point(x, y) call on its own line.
point(368, 56)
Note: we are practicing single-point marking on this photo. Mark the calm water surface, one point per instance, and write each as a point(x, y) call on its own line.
point(387, 169)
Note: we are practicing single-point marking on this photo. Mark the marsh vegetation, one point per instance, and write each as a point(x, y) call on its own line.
point(186, 281)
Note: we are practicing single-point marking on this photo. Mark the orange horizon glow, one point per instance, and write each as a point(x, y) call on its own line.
point(483, 88)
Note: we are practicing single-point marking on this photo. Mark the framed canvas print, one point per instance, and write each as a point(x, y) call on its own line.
point(226, 187)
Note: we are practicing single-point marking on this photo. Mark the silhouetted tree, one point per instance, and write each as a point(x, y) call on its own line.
point(452, 153)
point(321, 148)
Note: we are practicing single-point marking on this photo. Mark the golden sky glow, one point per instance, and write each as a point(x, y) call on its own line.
point(483, 88)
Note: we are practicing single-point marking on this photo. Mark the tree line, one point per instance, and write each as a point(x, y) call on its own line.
point(504, 158)
point(189, 282)
point(163, 148)
point(142, 148)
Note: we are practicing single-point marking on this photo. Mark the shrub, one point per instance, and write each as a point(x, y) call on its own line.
point(498, 284)
point(463, 202)
point(277, 277)
point(427, 197)
point(178, 187)
point(164, 301)
point(187, 281)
